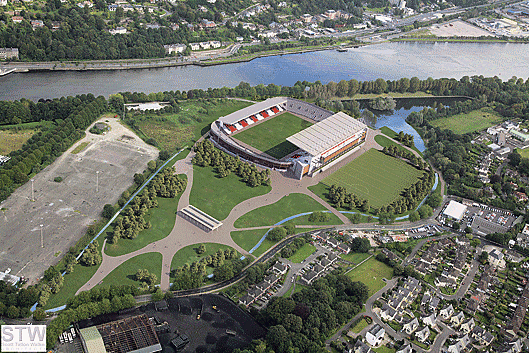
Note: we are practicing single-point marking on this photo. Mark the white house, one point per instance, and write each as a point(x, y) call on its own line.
point(429, 320)
point(446, 312)
point(375, 335)
point(194, 46)
point(174, 48)
point(467, 326)
point(410, 326)
point(495, 257)
point(423, 334)
point(457, 318)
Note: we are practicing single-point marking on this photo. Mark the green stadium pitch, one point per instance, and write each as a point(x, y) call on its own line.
point(270, 135)
point(375, 176)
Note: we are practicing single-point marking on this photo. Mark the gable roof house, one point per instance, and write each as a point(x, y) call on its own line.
point(375, 335)
point(422, 334)
point(410, 326)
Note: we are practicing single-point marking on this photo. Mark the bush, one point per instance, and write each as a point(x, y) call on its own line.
point(276, 234)
point(57, 179)
point(164, 155)
point(319, 217)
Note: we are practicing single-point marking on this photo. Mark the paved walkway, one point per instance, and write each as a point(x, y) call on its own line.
point(184, 233)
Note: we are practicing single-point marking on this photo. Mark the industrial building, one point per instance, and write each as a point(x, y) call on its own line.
point(455, 210)
point(135, 334)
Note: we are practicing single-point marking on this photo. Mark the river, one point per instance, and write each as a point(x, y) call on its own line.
point(387, 60)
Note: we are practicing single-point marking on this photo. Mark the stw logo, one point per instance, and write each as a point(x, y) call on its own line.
point(23, 338)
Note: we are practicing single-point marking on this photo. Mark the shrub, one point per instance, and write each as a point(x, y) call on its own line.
point(57, 179)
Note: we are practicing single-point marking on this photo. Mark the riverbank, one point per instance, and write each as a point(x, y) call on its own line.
point(130, 64)
point(456, 40)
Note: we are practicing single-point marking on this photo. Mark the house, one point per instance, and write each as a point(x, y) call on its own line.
point(405, 349)
point(344, 247)
point(174, 48)
point(332, 242)
point(446, 312)
point(280, 268)
point(375, 335)
point(456, 319)
point(263, 286)
point(7, 53)
point(520, 196)
point(3, 2)
point(318, 269)
point(306, 18)
point(37, 23)
point(495, 257)
point(460, 345)
point(119, 30)
point(215, 44)
point(246, 300)
point(426, 298)
point(325, 262)
point(308, 277)
point(483, 337)
point(512, 347)
point(360, 347)
point(467, 326)
point(17, 19)
point(429, 320)
point(205, 45)
point(387, 313)
point(422, 334)
point(410, 326)
point(194, 46)
point(272, 279)
point(332, 257)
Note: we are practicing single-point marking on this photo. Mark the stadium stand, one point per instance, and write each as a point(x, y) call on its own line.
point(307, 110)
point(200, 218)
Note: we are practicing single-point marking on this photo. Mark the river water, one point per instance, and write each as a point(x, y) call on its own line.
point(386, 60)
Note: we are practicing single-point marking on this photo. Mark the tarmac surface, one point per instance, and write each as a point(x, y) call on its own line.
point(65, 209)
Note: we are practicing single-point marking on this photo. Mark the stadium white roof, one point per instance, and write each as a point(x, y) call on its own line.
point(251, 110)
point(326, 134)
point(455, 210)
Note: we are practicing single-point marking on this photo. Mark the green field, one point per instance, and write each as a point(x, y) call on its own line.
point(162, 220)
point(385, 142)
point(302, 253)
point(360, 325)
point(173, 131)
point(373, 176)
point(524, 153)
point(217, 196)
point(289, 205)
point(475, 120)
point(124, 273)
point(11, 140)
point(270, 135)
point(371, 273)
point(189, 254)
point(355, 257)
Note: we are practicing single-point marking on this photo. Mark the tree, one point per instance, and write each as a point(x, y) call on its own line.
point(39, 314)
point(139, 178)
point(152, 166)
point(414, 216)
point(425, 211)
point(108, 211)
point(164, 155)
point(468, 230)
point(356, 218)
point(278, 338)
point(456, 225)
point(277, 233)
point(483, 257)
point(201, 249)
point(360, 245)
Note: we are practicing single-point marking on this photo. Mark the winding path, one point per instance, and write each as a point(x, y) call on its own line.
point(184, 233)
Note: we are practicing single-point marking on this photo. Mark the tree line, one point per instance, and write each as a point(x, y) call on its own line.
point(132, 221)
point(207, 155)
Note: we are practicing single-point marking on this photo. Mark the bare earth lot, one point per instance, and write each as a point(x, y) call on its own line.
point(65, 209)
point(459, 28)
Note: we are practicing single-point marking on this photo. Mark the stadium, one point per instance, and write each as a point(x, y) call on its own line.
point(328, 138)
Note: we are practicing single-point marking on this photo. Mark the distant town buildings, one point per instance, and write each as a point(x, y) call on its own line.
point(8, 53)
point(175, 48)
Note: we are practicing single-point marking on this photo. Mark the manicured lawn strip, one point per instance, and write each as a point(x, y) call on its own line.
point(81, 147)
point(186, 126)
point(289, 205)
point(302, 253)
point(475, 120)
point(374, 176)
point(304, 221)
point(189, 254)
point(385, 142)
point(355, 257)
point(384, 349)
point(289, 292)
point(270, 135)
point(388, 132)
point(162, 220)
point(218, 196)
point(124, 273)
point(72, 282)
point(360, 325)
point(299, 288)
point(11, 140)
point(371, 273)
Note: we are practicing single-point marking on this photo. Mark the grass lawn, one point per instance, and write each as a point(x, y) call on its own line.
point(247, 239)
point(355, 257)
point(189, 255)
point(289, 205)
point(72, 282)
point(524, 153)
point(299, 288)
point(390, 133)
point(475, 120)
point(360, 325)
point(81, 147)
point(302, 253)
point(392, 94)
point(270, 135)
point(289, 292)
point(162, 220)
point(124, 273)
point(373, 176)
point(172, 131)
point(384, 349)
point(385, 142)
point(371, 273)
point(217, 196)
point(11, 140)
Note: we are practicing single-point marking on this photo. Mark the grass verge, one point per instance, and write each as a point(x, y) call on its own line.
point(124, 273)
point(371, 273)
point(81, 147)
point(302, 253)
point(475, 120)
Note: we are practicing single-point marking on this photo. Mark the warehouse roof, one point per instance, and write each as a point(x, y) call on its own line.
point(93, 340)
point(455, 210)
point(251, 110)
point(326, 134)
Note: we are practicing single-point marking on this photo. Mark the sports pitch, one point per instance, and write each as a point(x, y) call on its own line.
point(375, 176)
point(270, 136)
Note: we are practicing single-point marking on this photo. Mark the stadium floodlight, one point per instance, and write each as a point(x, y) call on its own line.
point(41, 236)
point(97, 181)
point(32, 198)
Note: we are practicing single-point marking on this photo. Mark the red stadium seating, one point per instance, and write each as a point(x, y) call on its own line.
point(232, 128)
point(275, 110)
point(243, 123)
point(254, 118)
point(264, 114)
